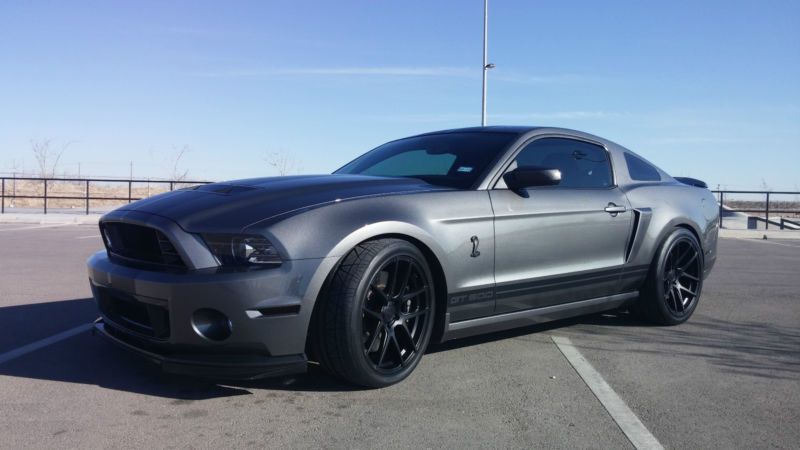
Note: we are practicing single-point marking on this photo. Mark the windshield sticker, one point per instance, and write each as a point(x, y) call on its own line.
point(464, 169)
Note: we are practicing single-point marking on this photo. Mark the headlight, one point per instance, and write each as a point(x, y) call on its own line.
point(242, 250)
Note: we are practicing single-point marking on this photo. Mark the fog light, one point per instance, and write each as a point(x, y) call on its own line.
point(211, 324)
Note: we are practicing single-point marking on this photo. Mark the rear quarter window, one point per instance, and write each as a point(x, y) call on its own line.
point(639, 170)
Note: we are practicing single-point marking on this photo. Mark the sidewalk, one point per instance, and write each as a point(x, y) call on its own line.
point(759, 234)
point(53, 218)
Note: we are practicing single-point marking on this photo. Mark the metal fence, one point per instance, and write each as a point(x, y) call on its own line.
point(44, 192)
point(10, 189)
point(793, 208)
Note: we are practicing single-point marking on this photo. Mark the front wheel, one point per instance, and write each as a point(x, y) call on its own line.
point(672, 289)
point(377, 318)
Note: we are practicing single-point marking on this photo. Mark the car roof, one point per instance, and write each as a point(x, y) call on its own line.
point(515, 129)
point(522, 130)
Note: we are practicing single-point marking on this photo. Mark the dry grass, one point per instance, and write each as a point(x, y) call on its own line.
point(793, 206)
point(55, 188)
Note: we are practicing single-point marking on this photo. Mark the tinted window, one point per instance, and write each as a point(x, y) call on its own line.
point(640, 170)
point(582, 165)
point(411, 163)
point(449, 159)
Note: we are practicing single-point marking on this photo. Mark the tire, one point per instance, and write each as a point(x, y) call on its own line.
point(673, 286)
point(377, 317)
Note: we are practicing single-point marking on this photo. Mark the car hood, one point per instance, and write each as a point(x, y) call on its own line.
point(233, 205)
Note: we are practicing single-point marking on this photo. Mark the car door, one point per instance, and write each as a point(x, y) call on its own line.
point(563, 243)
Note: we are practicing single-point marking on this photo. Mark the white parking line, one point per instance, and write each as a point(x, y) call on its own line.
point(627, 421)
point(32, 347)
point(88, 237)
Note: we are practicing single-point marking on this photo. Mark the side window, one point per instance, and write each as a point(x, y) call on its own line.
point(582, 165)
point(640, 170)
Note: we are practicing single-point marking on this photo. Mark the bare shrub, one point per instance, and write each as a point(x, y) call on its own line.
point(282, 162)
point(177, 173)
point(47, 156)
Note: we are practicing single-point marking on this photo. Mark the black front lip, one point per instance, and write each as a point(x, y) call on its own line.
point(215, 366)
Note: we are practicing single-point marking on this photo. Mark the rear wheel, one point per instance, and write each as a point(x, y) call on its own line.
point(672, 289)
point(377, 319)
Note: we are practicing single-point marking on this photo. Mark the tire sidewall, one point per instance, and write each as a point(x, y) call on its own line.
point(355, 323)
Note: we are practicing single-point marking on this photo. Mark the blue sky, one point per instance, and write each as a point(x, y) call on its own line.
point(705, 89)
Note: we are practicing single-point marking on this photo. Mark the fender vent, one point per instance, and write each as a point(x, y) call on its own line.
point(632, 238)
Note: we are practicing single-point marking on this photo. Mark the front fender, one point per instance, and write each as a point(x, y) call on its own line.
point(365, 233)
point(444, 222)
point(374, 230)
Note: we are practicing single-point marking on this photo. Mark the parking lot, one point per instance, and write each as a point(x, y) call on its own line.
point(729, 378)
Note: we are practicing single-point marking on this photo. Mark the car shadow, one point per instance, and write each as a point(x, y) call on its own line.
point(88, 359)
point(756, 349)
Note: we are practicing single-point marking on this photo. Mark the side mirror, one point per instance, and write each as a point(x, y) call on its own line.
point(530, 176)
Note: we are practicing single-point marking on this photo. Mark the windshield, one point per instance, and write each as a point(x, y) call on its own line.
point(455, 160)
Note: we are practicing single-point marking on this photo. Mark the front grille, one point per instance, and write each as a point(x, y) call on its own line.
point(127, 312)
point(140, 244)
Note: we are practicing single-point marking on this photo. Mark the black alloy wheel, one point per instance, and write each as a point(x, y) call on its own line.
point(681, 277)
point(395, 310)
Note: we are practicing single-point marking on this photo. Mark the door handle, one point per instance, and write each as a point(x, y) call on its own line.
point(614, 209)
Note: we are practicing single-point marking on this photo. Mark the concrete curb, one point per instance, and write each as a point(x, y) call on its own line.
point(44, 219)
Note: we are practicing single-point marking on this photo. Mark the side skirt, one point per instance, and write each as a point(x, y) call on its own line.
point(471, 327)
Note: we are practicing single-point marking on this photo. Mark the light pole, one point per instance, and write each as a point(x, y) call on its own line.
point(486, 64)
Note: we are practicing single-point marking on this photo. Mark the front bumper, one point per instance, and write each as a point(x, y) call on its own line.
point(222, 366)
point(267, 310)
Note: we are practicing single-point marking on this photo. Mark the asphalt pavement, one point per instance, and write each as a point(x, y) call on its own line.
point(729, 378)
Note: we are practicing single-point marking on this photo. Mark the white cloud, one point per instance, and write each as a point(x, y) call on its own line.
point(693, 140)
point(515, 77)
point(559, 115)
point(343, 71)
point(391, 71)
point(529, 117)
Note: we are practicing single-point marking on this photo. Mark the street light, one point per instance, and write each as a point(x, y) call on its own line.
point(486, 64)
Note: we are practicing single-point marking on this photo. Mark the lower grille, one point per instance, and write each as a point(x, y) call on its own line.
point(140, 244)
point(125, 311)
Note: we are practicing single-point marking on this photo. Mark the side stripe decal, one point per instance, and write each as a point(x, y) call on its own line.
point(548, 284)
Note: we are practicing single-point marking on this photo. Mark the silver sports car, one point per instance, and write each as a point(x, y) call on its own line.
point(423, 239)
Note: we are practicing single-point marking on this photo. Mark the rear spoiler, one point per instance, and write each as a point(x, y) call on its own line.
point(692, 182)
